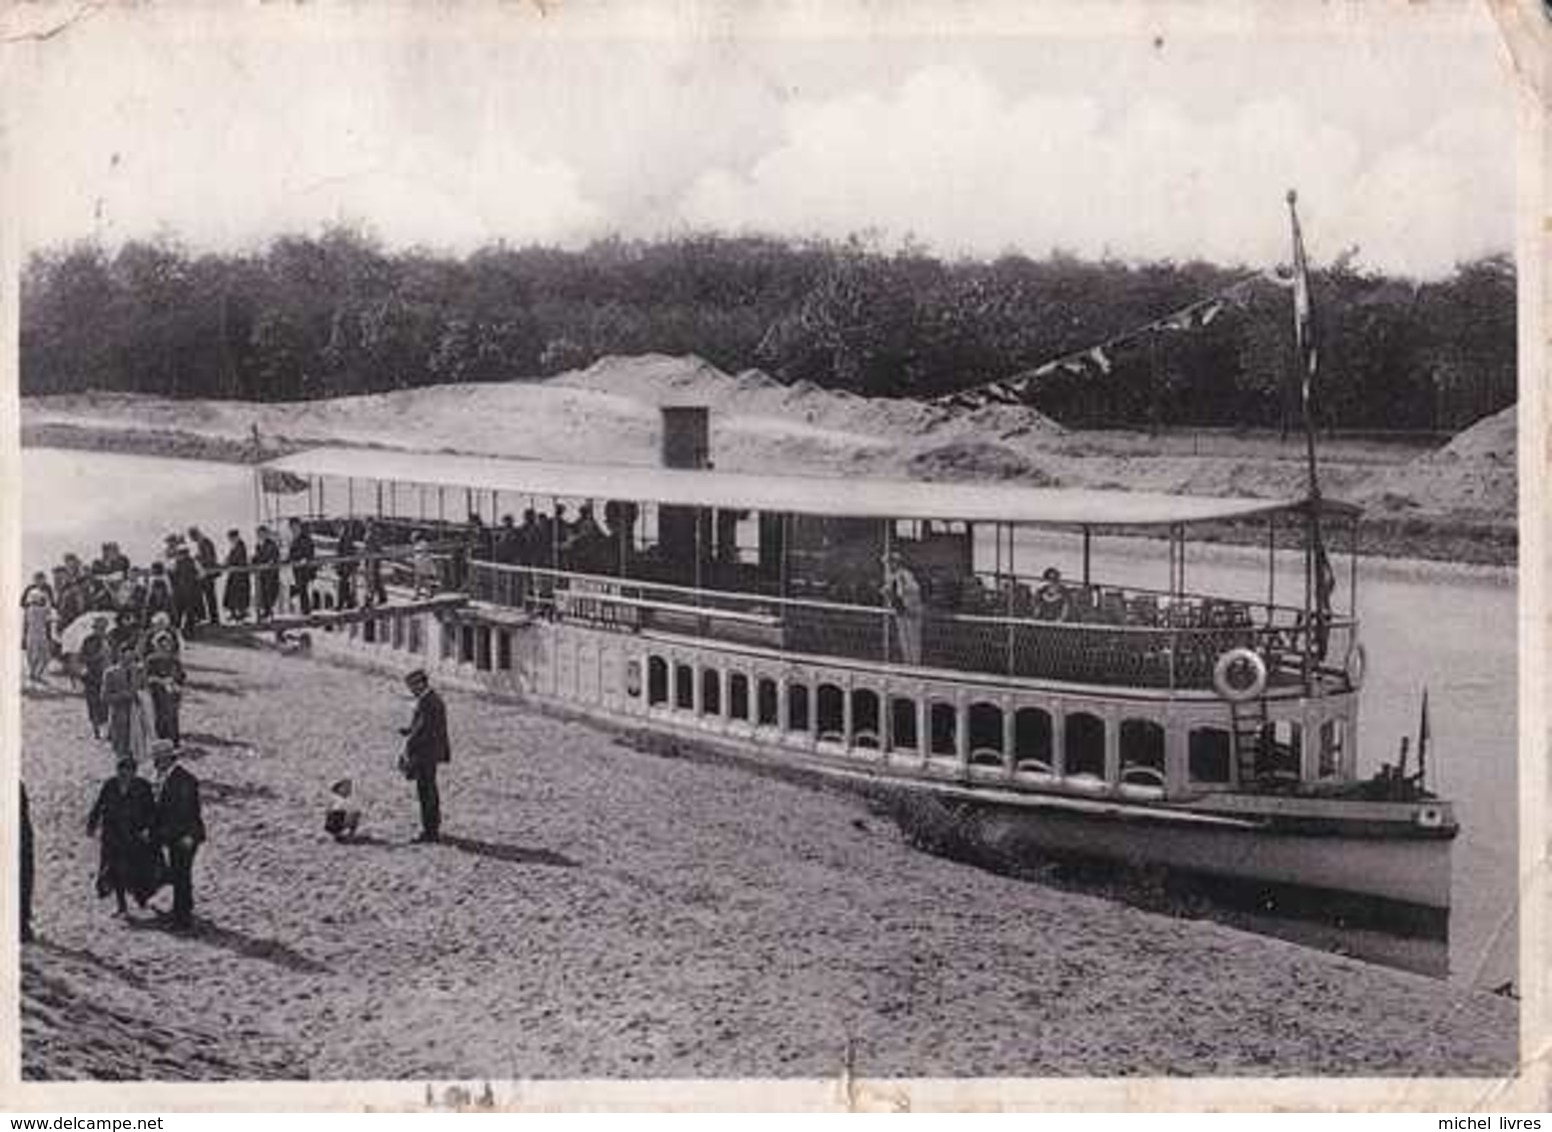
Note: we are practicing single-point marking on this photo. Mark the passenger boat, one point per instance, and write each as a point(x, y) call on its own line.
point(971, 644)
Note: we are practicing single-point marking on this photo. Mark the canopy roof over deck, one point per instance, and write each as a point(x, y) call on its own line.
point(802, 495)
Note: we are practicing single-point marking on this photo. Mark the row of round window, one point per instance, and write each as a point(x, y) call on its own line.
point(823, 712)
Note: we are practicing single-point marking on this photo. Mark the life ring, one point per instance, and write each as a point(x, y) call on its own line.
point(1228, 675)
point(1356, 665)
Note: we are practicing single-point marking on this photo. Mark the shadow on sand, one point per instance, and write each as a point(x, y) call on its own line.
point(205, 739)
point(212, 689)
point(218, 792)
point(92, 959)
point(247, 946)
point(516, 854)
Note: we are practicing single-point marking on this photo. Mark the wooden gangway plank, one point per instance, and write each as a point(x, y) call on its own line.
point(325, 618)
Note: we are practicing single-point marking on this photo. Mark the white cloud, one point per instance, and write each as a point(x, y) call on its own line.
point(225, 149)
point(944, 157)
point(134, 122)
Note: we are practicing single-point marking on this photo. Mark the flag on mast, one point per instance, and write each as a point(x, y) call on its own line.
point(1306, 342)
point(1307, 352)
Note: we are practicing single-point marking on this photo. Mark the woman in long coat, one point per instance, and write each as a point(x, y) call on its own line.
point(238, 588)
point(36, 638)
point(128, 728)
point(123, 817)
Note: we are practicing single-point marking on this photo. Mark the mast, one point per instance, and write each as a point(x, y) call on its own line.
point(1305, 348)
point(1320, 580)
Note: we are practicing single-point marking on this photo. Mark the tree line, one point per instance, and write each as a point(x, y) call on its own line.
point(334, 315)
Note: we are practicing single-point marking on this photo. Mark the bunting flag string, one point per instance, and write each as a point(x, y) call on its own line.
point(1100, 359)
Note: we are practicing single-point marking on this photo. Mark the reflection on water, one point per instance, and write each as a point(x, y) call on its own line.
point(1452, 629)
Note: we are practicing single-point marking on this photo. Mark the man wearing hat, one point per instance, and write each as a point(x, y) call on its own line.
point(188, 596)
point(178, 827)
point(426, 746)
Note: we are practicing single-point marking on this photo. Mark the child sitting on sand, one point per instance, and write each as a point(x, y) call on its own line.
point(343, 816)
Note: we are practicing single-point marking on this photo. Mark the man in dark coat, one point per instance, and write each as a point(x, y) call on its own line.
point(302, 570)
point(188, 593)
point(158, 592)
point(209, 566)
point(178, 828)
point(265, 552)
point(425, 747)
point(238, 584)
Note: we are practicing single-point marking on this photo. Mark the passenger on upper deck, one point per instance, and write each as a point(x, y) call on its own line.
point(587, 547)
point(904, 594)
point(541, 551)
point(1052, 601)
point(506, 548)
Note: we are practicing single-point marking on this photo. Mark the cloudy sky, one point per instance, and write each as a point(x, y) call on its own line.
point(1099, 128)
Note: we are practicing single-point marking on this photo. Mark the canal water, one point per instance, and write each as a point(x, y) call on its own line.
point(1449, 628)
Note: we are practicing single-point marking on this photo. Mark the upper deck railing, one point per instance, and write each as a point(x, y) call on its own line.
point(1111, 636)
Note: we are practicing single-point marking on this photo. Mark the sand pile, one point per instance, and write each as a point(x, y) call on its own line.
point(975, 460)
point(658, 379)
point(1473, 476)
point(605, 413)
point(601, 911)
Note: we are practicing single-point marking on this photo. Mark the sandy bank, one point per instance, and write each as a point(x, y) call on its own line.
point(603, 911)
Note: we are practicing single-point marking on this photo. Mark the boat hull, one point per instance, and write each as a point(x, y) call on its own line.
point(1409, 877)
point(1364, 849)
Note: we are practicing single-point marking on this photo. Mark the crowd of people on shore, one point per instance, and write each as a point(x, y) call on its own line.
point(118, 632)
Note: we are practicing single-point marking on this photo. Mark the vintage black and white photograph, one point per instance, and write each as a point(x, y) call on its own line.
point(739, 542)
